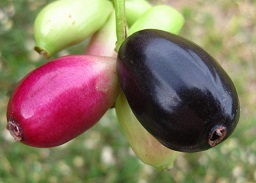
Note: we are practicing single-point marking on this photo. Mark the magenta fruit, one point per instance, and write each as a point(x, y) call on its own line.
point(61, 99)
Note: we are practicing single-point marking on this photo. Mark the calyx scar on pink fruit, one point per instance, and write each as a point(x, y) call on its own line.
point(61, 99)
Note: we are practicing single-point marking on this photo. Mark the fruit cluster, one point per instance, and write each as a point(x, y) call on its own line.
point(168, 93)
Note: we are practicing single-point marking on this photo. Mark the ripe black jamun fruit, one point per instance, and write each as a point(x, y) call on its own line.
point(178, 92)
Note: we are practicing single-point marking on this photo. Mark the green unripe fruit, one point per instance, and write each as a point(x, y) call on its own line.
point(134, 9)
point(161, 17)
point(67, 22)
point(144, 145)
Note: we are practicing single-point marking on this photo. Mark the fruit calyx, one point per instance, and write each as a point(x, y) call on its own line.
point(41, 51)
point(216, 135)
point(15, 130)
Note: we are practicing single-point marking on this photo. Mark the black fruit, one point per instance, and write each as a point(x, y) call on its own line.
point(178, 92)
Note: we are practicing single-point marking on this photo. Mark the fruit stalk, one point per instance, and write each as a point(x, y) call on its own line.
point(120, 22)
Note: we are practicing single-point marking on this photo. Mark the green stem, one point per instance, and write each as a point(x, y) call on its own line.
point(120, 22)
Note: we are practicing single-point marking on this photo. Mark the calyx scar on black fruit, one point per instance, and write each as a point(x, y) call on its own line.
point(178, 92)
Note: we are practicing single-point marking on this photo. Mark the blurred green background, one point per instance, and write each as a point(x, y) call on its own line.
point(226, 29)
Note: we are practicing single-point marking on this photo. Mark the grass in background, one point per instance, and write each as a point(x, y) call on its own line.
point(225, 29)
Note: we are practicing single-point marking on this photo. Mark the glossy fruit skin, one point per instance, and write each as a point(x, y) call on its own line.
point(178, 92)
point(61, 99)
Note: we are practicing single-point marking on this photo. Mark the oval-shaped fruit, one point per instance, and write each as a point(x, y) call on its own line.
point(178, 92)
point(67, 22)
point(61, 99)
point(144, 145)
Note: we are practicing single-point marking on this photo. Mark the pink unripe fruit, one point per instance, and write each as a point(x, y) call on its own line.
point(103, 42)
point(62, 99)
